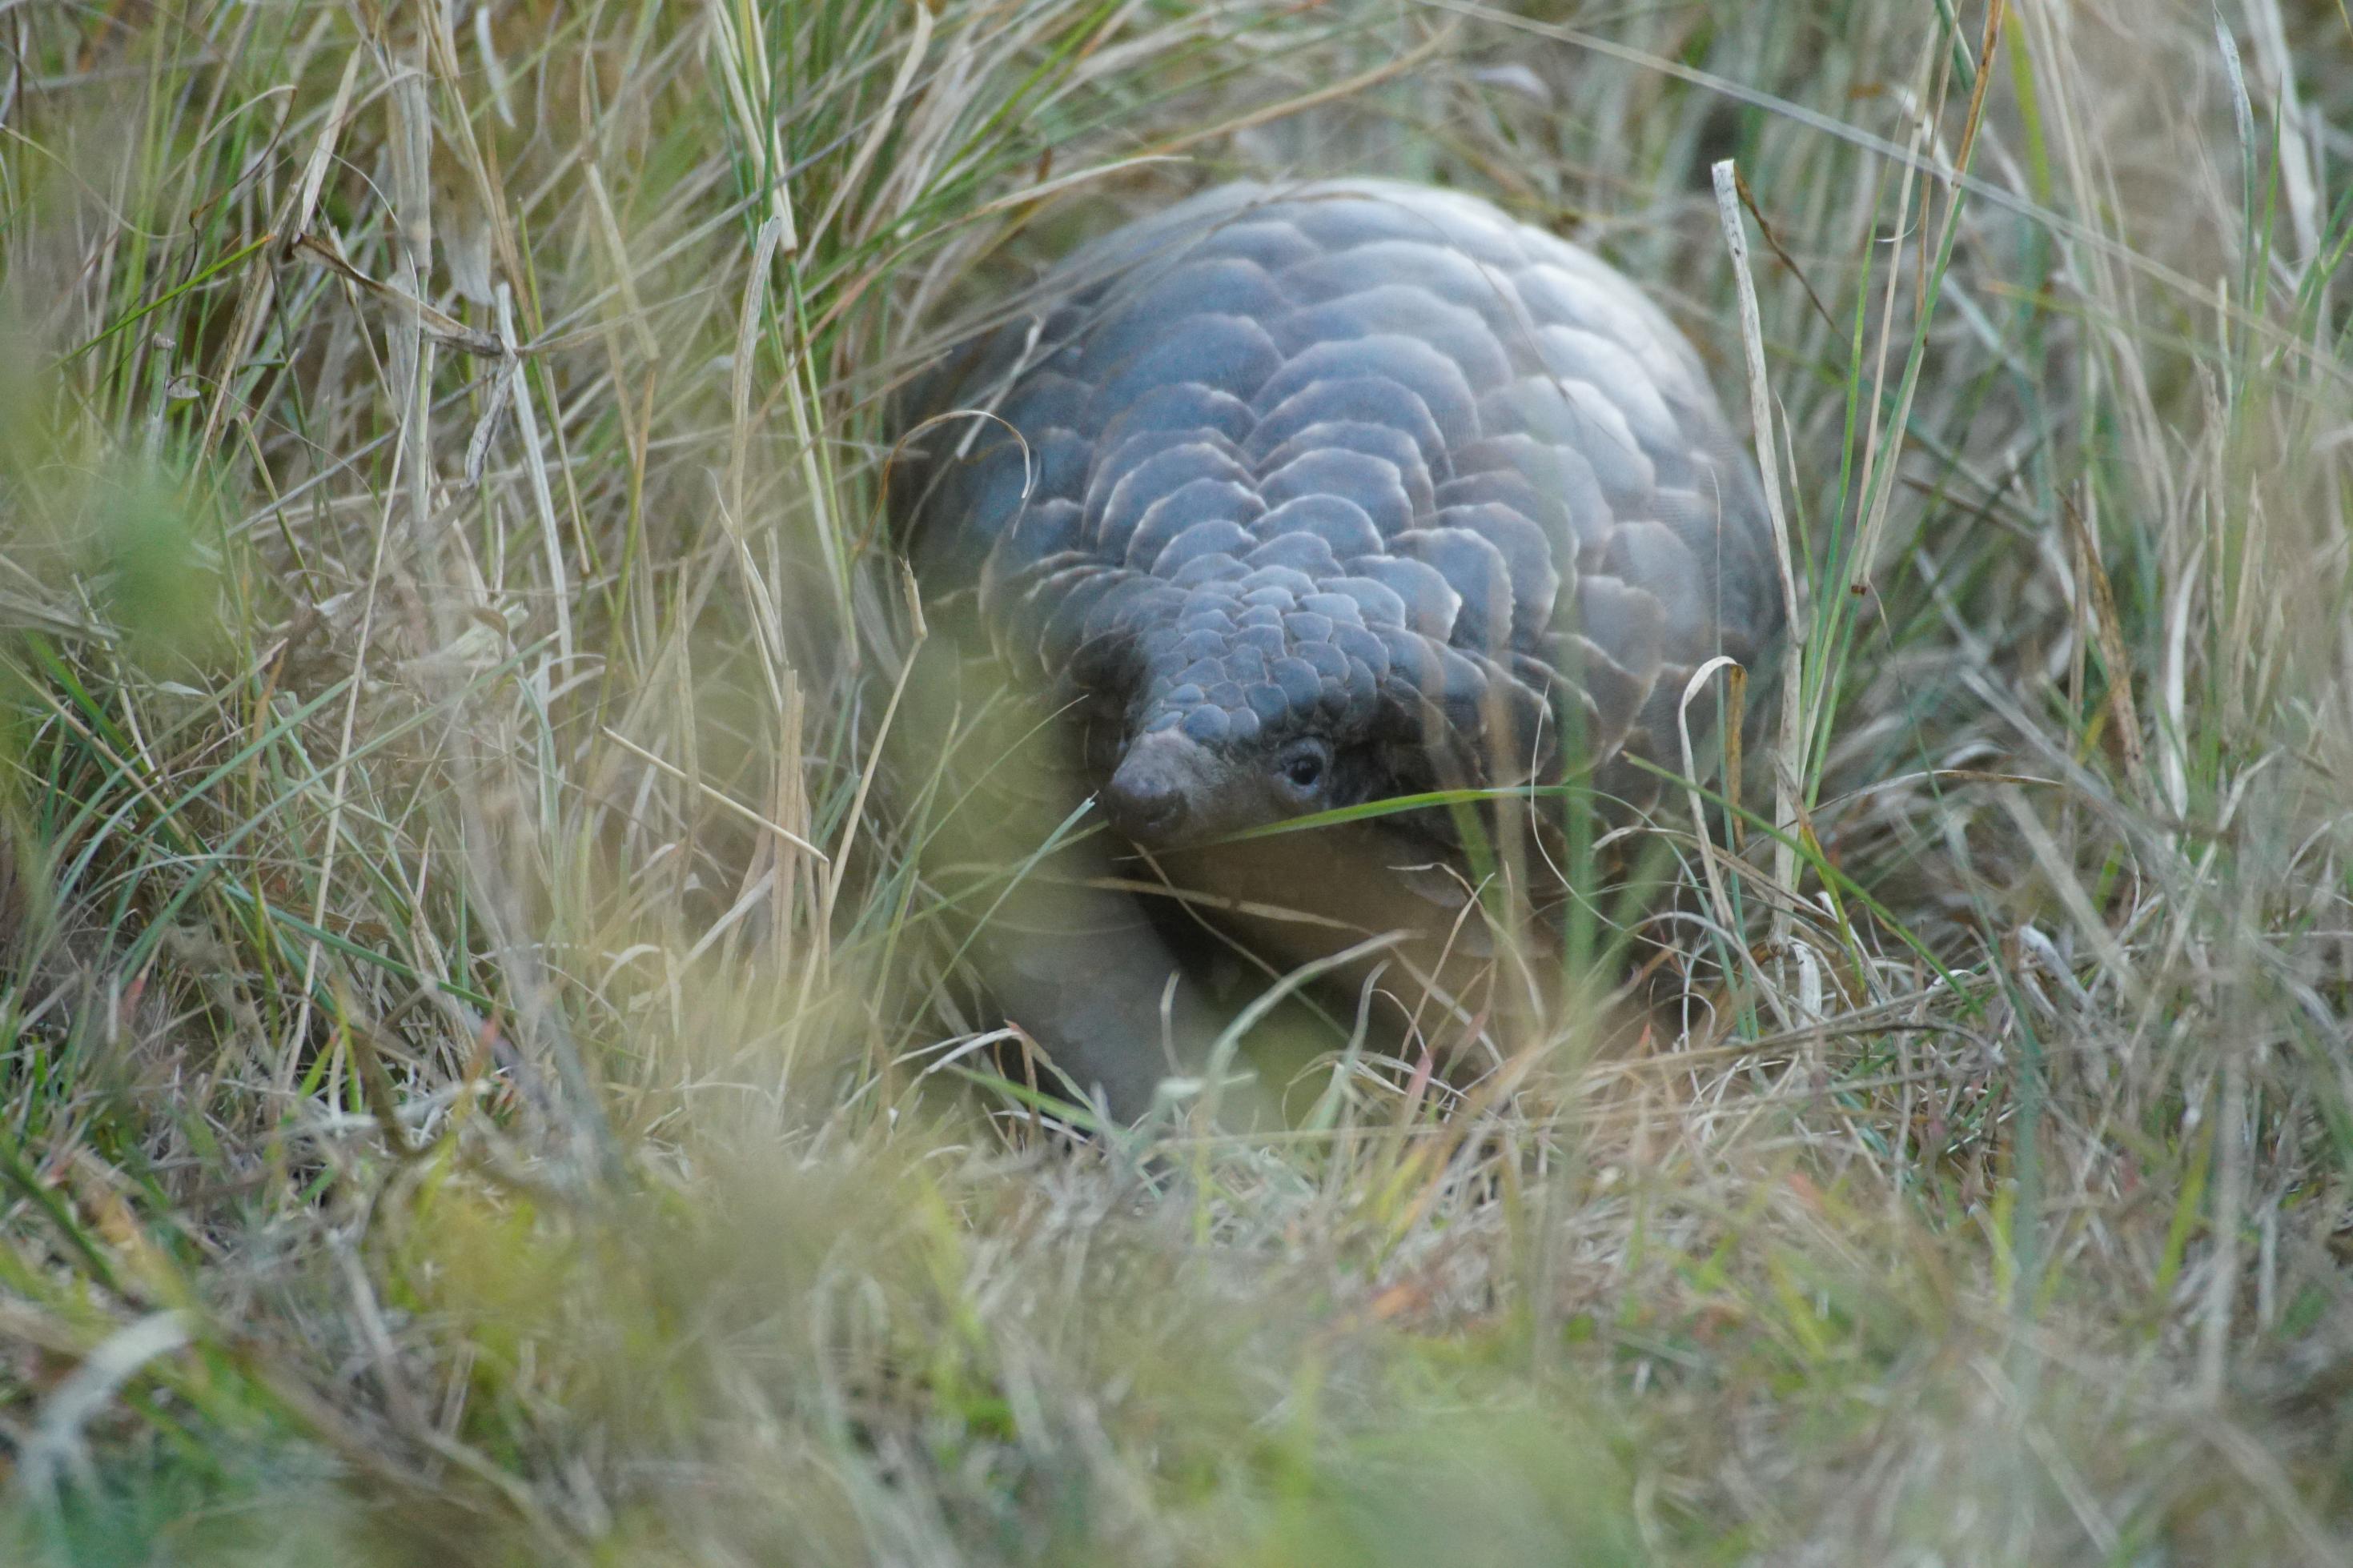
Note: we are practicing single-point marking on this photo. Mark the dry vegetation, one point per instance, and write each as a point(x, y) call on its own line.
point(467, 994)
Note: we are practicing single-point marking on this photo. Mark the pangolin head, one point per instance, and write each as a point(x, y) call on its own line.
point(1250, 701)
point(1235, 703)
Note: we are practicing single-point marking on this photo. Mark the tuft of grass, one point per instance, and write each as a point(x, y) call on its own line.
point(483, 1053)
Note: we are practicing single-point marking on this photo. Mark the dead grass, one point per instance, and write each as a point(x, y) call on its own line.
point(469, 987)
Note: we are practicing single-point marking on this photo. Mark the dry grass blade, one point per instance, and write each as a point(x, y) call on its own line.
point(1786, 758)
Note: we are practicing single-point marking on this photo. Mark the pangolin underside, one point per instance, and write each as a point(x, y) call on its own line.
point(1292, 498)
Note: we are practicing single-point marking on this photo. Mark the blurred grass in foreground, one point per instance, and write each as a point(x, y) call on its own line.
point(468, 989)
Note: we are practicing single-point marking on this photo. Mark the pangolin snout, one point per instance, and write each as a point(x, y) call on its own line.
point(1158, 794)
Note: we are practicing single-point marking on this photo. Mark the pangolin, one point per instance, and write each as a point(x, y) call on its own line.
point(1289, 498)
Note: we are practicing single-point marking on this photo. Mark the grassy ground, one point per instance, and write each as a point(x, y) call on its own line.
point(467, 994)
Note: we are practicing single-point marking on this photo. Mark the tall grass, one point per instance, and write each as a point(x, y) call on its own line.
point(485, 1074)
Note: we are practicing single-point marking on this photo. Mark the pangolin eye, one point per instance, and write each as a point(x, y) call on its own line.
point(1306, 765)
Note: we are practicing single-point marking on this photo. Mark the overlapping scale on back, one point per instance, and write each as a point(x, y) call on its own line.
point(1356, 455)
